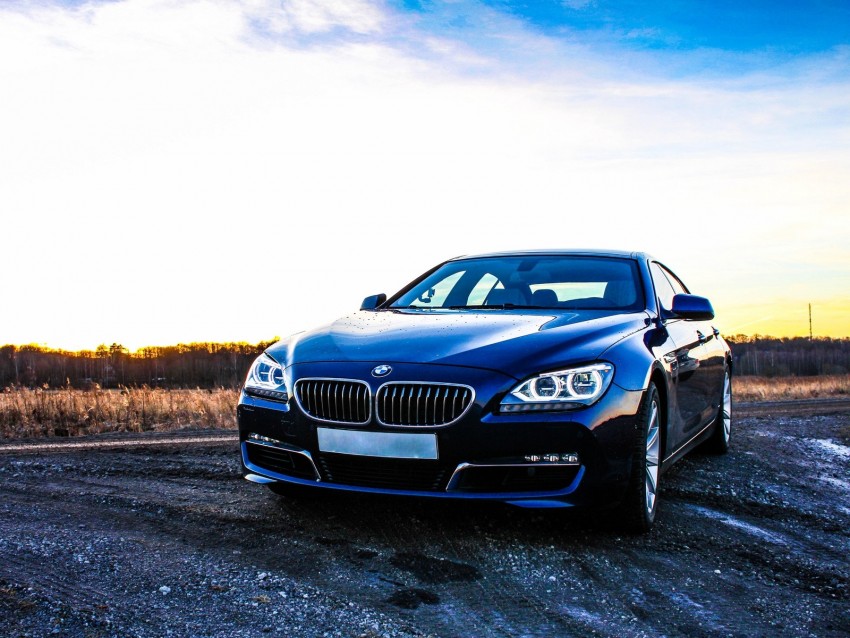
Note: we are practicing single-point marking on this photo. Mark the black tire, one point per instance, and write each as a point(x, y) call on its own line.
point(641, 501)
point(721, 433)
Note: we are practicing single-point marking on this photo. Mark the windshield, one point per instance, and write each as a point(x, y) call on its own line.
point(551, 282)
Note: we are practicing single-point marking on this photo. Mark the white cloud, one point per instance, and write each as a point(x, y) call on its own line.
point(162, 163)
point(315, 16)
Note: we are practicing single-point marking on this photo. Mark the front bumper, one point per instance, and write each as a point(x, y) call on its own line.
point(483, 456)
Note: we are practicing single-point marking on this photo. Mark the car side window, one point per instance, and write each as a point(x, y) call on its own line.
point(677, 284)
point(663, 288)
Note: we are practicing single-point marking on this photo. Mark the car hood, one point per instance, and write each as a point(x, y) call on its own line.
point(516, 343)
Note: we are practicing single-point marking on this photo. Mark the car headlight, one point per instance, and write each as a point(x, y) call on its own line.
point(265, 379)
point(560, 390)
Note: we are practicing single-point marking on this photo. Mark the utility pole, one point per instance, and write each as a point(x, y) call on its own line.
point(810, 322)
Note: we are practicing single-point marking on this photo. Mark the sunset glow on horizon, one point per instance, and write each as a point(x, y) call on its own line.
point(176, 172)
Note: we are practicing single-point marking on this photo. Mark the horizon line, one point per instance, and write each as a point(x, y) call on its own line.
point(43, 347)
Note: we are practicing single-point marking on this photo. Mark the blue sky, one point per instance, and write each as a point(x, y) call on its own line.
point(721, 39)
point(164, 152)
point(784, 27)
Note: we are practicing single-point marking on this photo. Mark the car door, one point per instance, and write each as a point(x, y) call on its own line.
point(687, 358)
point(712, 357)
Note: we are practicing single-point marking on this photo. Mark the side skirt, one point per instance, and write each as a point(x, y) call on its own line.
point(686, 447)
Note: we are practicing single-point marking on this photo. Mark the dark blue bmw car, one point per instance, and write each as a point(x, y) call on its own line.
point(539, 379)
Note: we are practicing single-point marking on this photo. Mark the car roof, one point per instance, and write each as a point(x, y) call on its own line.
point(561, 251)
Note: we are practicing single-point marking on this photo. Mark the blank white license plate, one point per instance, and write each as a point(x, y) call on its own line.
point(389, 445)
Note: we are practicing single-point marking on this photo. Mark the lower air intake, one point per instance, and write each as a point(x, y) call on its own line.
point(394, 474)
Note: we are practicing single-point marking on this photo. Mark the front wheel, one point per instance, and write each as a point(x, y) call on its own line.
point(721, 434)
point(641, 502)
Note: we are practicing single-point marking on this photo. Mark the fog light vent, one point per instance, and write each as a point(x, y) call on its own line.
point(259, 438)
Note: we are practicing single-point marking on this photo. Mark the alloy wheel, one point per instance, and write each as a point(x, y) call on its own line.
point(653, 446)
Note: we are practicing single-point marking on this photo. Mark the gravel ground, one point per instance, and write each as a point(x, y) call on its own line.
point(159, 536)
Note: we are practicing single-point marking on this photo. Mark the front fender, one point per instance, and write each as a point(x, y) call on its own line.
point(635, 360)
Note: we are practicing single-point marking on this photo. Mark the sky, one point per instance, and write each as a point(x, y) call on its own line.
point(197, 170)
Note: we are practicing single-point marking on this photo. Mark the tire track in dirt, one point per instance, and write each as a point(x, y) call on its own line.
point(124, 442)
point(41, 574)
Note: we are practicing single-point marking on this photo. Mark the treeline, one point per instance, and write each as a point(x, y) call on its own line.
point(205, 365)
point(224, 365)
point(794, 356)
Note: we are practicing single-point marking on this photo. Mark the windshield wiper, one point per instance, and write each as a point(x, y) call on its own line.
point(502, 306)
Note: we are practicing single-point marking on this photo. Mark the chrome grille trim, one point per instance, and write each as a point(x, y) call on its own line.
point(335, 400)
point(422, 404)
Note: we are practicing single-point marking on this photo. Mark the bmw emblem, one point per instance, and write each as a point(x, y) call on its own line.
point(381, 371)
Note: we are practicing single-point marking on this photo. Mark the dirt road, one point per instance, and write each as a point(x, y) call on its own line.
point(159, 535)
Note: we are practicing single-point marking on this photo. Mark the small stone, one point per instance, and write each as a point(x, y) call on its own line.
point(165, 589)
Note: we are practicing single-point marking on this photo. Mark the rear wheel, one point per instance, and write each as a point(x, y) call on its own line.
point(718, 442)
point(641, 502)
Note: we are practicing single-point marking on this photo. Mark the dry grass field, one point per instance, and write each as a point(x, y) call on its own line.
point(790, 388)
point(69, 412)
point(39, 412)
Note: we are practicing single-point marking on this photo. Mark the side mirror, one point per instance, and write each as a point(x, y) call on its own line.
point(370, 303)
point(692, 307)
